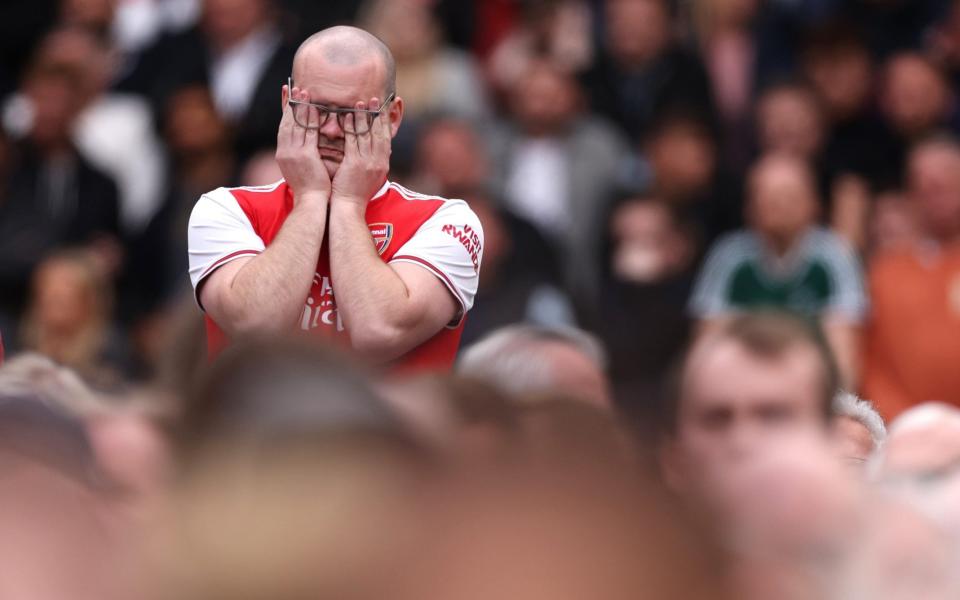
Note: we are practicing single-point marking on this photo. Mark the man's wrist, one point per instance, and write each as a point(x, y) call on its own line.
point(349, 205)
point(312, 198)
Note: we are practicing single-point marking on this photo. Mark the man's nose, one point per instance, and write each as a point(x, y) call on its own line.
point(331, 127)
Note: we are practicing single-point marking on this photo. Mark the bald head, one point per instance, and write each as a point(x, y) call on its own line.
point(345, 46)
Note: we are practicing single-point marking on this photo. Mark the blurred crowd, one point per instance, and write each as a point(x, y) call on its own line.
point(703, 220)
point(643, 169)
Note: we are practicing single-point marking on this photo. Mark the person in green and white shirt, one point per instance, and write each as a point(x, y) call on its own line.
point(784, 260)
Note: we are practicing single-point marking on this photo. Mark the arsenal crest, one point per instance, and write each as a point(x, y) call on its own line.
point(382, 234)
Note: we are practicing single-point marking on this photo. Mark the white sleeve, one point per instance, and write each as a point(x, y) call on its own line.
point(449, 245)
point(219, 232)
point(710, 297)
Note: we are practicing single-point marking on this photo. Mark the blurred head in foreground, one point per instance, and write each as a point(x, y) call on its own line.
point(59, 536)
point(273, 390)
point(528, 359)
point(752, 381)
point(355, 519)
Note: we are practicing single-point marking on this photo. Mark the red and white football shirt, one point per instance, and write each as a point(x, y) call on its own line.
point(443, 236)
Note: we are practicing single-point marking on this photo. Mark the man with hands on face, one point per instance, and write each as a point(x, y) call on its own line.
point(335, 248)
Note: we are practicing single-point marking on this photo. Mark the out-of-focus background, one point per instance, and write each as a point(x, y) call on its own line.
point(627, 419)
point(642, 168)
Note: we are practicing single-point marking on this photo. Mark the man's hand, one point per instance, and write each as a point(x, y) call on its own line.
point(366, 157)
point(297, 153)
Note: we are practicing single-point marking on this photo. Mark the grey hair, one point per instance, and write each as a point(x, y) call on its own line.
point(509, 357)
point(862, 411)
point(35, 375)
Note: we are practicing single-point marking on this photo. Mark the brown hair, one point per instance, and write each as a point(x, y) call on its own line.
point(767, 334)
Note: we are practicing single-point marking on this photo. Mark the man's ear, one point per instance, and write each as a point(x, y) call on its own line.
point(284, 94)
point(396, 115)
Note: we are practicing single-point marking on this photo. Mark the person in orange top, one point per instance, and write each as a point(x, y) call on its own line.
point(912, 345)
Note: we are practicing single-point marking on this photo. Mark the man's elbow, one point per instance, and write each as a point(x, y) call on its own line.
point(242, 322)
point(380, 342)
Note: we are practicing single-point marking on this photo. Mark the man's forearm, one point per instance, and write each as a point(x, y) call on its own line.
point(370, 295)
point(268, 293)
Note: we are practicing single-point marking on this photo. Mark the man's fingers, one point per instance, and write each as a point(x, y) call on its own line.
point(351, 142)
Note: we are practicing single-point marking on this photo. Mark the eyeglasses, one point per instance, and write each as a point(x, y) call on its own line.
point(362, 119)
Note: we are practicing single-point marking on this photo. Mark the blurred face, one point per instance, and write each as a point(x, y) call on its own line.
point(789, 121)
point(89, 13)
point(62, 296)
point(637, 30)
point(406, 26)
point(735, 404)
point(229, 21)
point(842, 80)
point(647, 246)
point(782, 198)
point(56, 103)
point(734, 12)
point(934, 189)
point(545, 101)
point(341, 86)
point(915, 97)
point(450, 155)
point(683, 160)
point(193, 125)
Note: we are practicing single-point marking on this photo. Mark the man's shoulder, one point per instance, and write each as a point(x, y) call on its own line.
point(252, 200)
point(737, 245)
point(398, 200)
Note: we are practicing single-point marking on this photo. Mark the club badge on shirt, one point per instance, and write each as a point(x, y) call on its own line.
point(382, 234)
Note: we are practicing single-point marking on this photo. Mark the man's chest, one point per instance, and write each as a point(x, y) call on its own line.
point(390, 226)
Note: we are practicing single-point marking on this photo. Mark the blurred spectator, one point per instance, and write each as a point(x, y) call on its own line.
point(200, 159)
point(127, 446)
point(683, 158)
point(755, 380)
point(838, 64)
point(69, 319)
point(790, 120)
point(730, 50)
point(556, 165)
point(432, 76)
point(53, 195)
point(784, 260)
point(916, 98)
point(265, 391)
point(114, 131)
point(647, 272)
point(240, 52)
point(642, 71)
point(521, 278)
point(60, 533)
point(526, 359)
point(859, 430)
point(913, 336)
point(558, 31)
point(892, 223)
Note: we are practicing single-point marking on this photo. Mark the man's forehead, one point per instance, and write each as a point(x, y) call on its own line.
point(725, 368)
point(338, 54)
